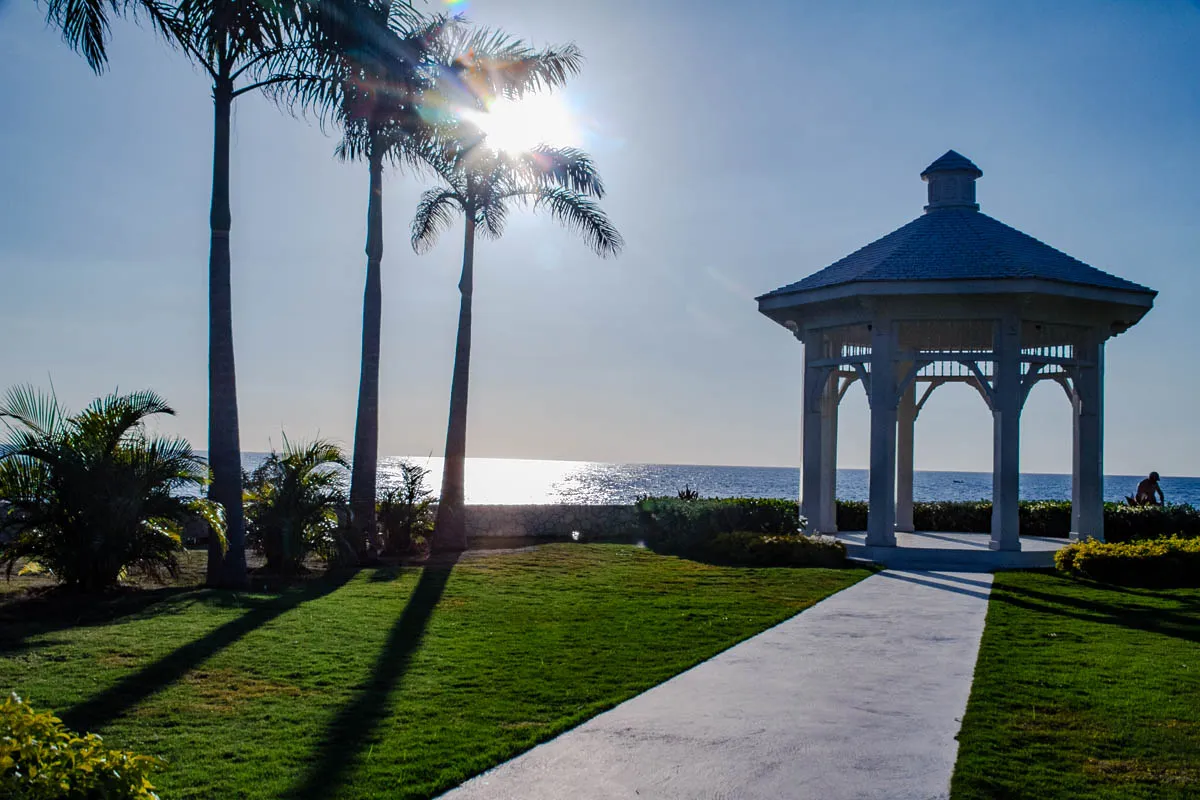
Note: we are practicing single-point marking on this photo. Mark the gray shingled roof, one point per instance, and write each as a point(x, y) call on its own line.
point(952, 161)
point(958, 244)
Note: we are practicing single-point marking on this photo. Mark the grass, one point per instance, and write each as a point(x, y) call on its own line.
point(1083, 691)
point(397, 683)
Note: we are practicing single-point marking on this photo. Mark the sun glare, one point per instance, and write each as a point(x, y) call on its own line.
point(516, 125)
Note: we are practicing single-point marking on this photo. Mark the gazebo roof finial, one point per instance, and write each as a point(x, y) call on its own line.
point(952, 182)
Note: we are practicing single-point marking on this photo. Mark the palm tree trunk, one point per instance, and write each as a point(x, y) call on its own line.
point(450, 532)
point(224, 448)
point(366, 429)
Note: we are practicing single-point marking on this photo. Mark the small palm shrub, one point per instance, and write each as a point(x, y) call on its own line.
point(40, 759)
point(1167, 561)
point(743, 548)
point(92, 496)
point(405, 511)
point(292, 502)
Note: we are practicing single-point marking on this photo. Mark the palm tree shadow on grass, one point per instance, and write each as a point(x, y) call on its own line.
point(347, 734)
point(26, 618)
point(108, 705)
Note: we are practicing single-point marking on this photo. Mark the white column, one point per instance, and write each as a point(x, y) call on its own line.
point(1076, 503)
point(881, 513)
point(1006, 436)
point(829, 434)
point(810, 466)
point(906, 418)
point(1089, 444)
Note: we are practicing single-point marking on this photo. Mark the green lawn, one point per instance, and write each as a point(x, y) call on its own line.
point(1083, 691)
point(396, 683)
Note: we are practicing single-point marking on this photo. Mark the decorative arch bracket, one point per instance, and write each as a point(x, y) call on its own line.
point(981, 383)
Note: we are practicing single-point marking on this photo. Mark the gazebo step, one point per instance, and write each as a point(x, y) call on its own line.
point(951, 552)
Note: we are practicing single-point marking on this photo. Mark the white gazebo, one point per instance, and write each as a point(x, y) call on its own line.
point(953, 295)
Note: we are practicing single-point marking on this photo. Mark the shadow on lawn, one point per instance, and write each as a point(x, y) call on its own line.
point(348, 733)
point(102, 708)
point(24, 618)
point(1134, 615)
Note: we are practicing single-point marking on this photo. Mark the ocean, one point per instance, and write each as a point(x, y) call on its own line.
point(511, 481)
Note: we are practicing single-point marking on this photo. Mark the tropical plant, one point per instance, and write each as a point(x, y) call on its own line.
point(85, 25)
point(237, 43)
point(484, 184)
point(292, 503)
point(406, 510)
point(94, 494)
point(41, 759)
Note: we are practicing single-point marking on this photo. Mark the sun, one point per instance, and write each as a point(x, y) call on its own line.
point(518, 125)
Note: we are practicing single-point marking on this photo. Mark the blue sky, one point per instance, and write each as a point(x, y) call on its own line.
point(744, 146)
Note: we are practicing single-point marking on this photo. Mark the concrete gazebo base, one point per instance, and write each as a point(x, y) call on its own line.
point(957, 552)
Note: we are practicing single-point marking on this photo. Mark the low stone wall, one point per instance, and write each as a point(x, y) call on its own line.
point(487, 524)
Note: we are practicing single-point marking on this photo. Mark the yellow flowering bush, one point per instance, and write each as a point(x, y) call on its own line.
point(40, 759)
point(1171, 560)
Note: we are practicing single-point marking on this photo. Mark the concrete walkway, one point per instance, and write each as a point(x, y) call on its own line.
point(860, 696)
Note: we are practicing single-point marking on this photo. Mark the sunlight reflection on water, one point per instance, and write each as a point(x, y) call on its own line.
point(512, 481)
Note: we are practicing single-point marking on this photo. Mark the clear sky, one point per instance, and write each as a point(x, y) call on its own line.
point(745, 145)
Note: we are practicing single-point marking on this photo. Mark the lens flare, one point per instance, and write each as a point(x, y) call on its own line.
point(518, 125)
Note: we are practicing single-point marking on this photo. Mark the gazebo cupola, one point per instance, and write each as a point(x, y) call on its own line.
point(953, 296)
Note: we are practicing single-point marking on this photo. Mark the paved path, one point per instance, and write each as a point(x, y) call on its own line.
point(860, 696)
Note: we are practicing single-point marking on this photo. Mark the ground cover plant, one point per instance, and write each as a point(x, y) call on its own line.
point(384, 682)
point(1083, 691)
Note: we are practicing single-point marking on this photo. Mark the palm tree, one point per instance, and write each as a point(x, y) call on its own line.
point(483, 185)
point(93, 494)
point(389, 78)
point(85, 25)
point(235, 42)
point(366, 66)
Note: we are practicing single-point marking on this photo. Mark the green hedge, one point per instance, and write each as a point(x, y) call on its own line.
point(671, 524)
point(743, 548)
point(40, 759)
point(1122, 523)
point(1168, 561)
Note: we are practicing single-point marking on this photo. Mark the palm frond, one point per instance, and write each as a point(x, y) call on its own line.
point(494, 214)
point(567, 167)
point(583, 216)
point(85, 27)
point(435, 213)
point(38, 412)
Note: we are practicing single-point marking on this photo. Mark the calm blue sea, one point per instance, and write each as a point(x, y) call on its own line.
point(520, 481)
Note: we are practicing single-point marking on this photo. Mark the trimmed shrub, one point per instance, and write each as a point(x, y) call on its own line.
point(40, 759)
point(1124, 523)
point(852, 515)
point(675, 525)
point(972, 516)
point(1052, 518)
point(757, 550)
point(1169, 561)
point(1043, 518)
